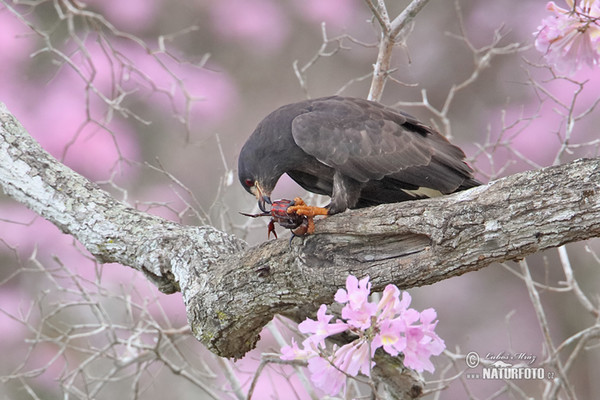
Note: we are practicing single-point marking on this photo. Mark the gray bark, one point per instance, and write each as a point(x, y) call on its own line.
point(408, 244)
point(231, 291)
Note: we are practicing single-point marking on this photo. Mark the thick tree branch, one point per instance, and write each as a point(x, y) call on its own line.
point(408, 244)
point(231, 292)
point(109, 229)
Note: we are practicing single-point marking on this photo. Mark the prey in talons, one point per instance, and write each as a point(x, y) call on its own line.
point(294, 215)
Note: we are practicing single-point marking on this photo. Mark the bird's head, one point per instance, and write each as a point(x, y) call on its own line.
point(257, 189)
point(257, 177)
point(269, 153)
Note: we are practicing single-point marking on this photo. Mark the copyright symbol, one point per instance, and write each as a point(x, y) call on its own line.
point(472, 359)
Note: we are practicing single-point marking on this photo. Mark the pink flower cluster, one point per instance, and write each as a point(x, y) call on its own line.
point(389, 324)
point(570, 37)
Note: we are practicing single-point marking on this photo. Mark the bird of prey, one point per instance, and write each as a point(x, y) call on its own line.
point(358, 152)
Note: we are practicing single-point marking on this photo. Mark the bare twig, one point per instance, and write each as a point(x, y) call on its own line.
point(389, 37)
point(267, 359)
point(339, 44)
point(539, 309)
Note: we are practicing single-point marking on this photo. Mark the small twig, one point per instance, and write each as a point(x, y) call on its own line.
point(406, 16)
point(383, 23)
point(322, 52)
point(572, 283)
point(267, 359)
point(539, 310)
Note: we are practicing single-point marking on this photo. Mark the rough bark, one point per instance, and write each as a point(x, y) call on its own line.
point(232, 291)
point(408, 244)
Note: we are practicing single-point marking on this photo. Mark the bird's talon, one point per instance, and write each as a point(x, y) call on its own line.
point(298, 201)
point(311, 226)
point(301, 208)
point(307, 211)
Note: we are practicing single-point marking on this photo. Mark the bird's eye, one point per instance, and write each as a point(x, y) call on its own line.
point(249, 182)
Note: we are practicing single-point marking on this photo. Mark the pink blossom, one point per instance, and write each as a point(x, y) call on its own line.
point(389, 324)
point(422, 342)
point(321, 328)
point(360, 318)
point(390, 305)
point(389, 301)
point(410, 316)
point(391, 337)
point(358, 310)
point(354, 357)
point(325, 376)
point(570, 37)
point(357, 292)
point(294, 352)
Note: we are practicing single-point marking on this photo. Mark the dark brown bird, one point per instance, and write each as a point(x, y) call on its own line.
point(359, 152)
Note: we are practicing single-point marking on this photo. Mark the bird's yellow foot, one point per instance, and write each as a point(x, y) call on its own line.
point(301, 208)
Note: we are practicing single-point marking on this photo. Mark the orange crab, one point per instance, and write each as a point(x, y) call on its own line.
point(294, 215)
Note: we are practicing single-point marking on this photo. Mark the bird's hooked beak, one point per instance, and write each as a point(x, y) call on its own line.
point(263, 198)
point(262, 201)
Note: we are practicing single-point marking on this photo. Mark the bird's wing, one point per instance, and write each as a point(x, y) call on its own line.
point(367, 141)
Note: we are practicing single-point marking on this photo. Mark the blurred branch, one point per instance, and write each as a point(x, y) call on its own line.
point(109, 229)
point(482, 59)
point(327, 50)
point(231, 292)
point(562, 379)
point(390, 33)
point(82, 25)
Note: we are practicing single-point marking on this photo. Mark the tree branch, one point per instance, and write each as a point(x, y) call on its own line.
point(232, 291)
point(390, 32)
point(109, 229)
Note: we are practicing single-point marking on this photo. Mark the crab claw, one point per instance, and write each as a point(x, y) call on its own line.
point(271, 228)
